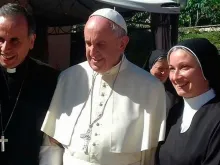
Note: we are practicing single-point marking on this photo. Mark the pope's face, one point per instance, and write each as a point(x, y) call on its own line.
point(103, 46)
point(186, 74)
point(15, 42)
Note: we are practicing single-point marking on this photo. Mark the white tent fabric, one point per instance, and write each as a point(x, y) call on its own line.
point(153, 6)
point(69, 12)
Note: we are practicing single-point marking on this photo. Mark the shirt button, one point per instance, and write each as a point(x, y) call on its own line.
point(97, 124)
point(100, 104)
point(104, 85)
point(102, 94)
point(96, 134)
point(94, 144)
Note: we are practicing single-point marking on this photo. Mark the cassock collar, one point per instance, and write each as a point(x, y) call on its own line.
point(197, 102)
point(11, 70)
point(114, 70)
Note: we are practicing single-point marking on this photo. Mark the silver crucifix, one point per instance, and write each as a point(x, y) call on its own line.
point(3, 140)
point(86, 137)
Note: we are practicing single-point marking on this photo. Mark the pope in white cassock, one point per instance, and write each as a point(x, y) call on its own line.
point(105, 111)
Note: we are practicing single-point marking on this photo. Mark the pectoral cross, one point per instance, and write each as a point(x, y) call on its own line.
point(86, 137)
point(3, 140)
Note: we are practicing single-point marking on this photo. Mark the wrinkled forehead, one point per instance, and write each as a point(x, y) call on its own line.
point(98, 22)
point(99, 29)
point(13, 24)
point(16, 19)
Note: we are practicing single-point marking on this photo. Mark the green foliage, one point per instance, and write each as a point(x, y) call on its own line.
point(140, 17)
point(139, 20)
point(200, 12)
point(211, 36)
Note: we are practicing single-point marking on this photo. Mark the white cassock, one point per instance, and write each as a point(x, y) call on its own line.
point(133, 117)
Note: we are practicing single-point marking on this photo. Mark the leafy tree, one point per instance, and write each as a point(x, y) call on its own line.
point(200, 12)
point(139, 20)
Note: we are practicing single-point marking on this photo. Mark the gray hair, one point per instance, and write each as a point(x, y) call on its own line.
point(13, 10)
point(119, 32)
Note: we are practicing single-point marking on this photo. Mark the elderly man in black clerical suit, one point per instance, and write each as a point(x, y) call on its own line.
point(26, 88)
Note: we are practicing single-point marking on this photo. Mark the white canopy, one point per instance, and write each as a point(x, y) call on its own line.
point(154, 6)
point(69, 12)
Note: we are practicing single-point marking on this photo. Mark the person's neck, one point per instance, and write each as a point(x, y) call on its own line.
point(118, 60)
point(198, 94)
point(197, 101)
point(114, 68)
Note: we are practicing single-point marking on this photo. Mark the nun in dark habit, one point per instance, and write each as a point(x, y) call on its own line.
point(158, 67)
point(193, 124)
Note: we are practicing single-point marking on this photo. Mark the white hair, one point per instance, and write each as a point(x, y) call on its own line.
point(119, 32)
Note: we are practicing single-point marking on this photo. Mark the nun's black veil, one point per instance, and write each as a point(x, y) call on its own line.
point(209, 59)
point(155, 56)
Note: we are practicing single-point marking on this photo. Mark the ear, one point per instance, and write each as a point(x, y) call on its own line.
point(124, 43)
point(151, 71)
point(32, 38)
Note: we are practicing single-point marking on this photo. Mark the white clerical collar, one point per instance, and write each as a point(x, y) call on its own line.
point(192, 105)
point(121, 65)
point(198, 101)
point(11, 70)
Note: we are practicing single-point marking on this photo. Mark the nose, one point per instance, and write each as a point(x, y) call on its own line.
point(93, 50)
point(176, 75)
point(5, 47)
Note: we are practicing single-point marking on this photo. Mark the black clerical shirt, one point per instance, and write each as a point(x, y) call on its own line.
point(23, 132)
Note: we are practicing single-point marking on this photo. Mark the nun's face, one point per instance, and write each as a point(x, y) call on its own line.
point(186, 74)
point(160, 70)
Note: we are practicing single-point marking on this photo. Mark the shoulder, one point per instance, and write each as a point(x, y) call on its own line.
point(143, 76)
point(76, 72)
point(75, 69)
point(43, 69)
point(213, 106)
point(212, 110)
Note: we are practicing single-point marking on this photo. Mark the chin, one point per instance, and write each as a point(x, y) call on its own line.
point(95, 68)
point(185, 94)
point(10, 64)
point(6, 65)
point(181, 92)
